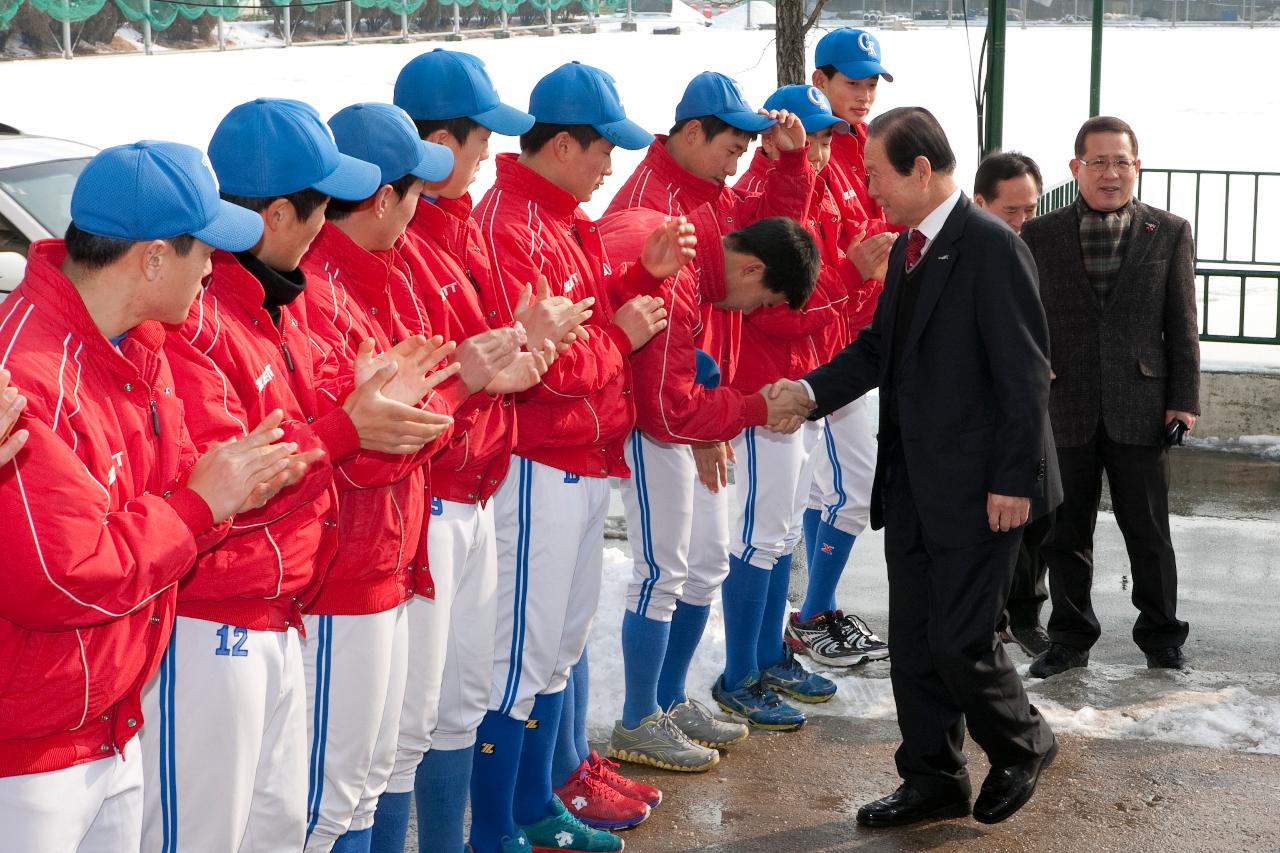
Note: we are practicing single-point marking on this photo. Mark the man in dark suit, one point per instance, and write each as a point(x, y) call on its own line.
point(960, 350)
point(1118, 285)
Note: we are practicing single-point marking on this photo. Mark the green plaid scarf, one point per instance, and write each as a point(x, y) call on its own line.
point(1103, 240)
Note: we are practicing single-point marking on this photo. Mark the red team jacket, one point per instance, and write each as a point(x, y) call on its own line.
point(97, 528)
point(786, 342)
point(353, 295)
point(670, 405)
point(443, 243)
point(577, 417)
point(846, 180)
point(660, 183)
point(233, 366)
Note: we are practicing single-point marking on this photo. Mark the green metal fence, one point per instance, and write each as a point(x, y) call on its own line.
point(1235, 219)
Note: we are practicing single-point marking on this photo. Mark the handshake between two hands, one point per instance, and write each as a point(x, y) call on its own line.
point(788, 405)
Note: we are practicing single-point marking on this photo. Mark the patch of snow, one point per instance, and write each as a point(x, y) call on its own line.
point(251, 34)
point(735, 18)
point(1229, 718)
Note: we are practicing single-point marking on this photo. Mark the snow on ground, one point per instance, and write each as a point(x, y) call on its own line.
point(1184, 118)
point(1231, 711)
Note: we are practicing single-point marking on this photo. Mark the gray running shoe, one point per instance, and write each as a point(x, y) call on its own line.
point(702, 728)
point(658, 742)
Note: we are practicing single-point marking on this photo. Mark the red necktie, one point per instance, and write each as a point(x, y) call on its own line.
point(915, 247)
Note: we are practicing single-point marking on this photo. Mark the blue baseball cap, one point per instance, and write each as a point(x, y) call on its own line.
point(810, 105)
point(581, 94)
point(854, 53)
point(155, 191)
point(385, 136)
point(713, 94)
point(271, 147)
point(445, 84)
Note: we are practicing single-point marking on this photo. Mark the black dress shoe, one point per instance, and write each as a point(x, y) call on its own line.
point(1007, 789)
point(1033, 639)
point(1170, 658)
point(1059, 658)
point(907, 805)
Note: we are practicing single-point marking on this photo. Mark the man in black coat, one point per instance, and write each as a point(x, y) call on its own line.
point(960, 350)
point(1118, 285)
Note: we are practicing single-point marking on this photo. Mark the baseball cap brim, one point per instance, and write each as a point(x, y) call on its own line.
point(815, 123)
point(504, 120)
point(747, 121)
point(436, 163)
point(862, 70)
point(233, 229)
point(353, 180)
point(625, 133)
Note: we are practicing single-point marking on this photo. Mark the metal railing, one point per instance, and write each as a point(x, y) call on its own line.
point(1235, 220)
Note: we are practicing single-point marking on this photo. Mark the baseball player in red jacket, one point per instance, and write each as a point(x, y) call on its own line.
point(848, 72)
point(370, 289)
point(453, 104)
point(769, 262)
point(831, 638)
point(245, 348)
point(551, 507)
point(106, 503)
point(685, 173)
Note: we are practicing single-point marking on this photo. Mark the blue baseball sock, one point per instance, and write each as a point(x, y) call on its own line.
point(353, 842)
point(809, 524)
point(581, 696)
point(440, 788)
point(499, 742)
point(769, 650)
point(687, 625)
point(825, 568)
point(565, 759)
point(743, 593)
point(533, 795)
point(391, 823)
point(644, 644)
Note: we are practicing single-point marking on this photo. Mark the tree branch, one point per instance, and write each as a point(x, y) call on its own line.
point(813, 16)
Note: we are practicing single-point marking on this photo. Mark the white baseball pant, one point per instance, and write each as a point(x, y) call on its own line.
point(674, 557)
point(94, 807)
point(450, 638)
point(845, 469)
point(550, 530)
point(355, 669)
point(226, 749)
point(772, 477)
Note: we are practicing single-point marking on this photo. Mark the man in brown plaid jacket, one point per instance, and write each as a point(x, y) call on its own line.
point(1118, 286)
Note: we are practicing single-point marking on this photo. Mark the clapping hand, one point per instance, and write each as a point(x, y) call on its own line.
point(387, 424)
point(870, 255)
point(552, 318)
point(413, 357)
point(669, 247)
point(11, 405)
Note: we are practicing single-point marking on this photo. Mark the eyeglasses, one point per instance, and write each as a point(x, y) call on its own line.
point(1100, 165)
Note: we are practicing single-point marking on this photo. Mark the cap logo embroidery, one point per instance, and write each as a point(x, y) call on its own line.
point(818, 99)
point(868, 45)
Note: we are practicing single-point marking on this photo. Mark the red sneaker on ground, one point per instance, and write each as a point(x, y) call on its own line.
point(597, 804)
point(607, 771)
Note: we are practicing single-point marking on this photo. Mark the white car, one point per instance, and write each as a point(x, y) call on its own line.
point(37, 174)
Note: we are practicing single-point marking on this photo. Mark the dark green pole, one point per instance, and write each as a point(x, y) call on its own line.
point(993, 127)
point(1095, 64)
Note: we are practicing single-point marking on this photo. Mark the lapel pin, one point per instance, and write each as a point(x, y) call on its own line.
point(944, 257)
point(1151, 226)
